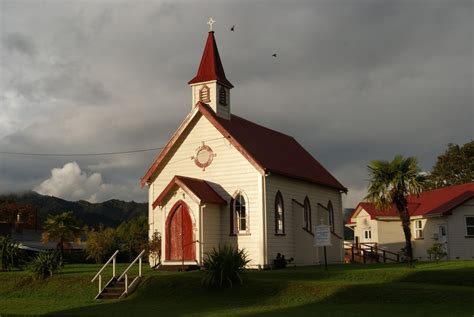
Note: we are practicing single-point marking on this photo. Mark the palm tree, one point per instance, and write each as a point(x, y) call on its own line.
point(390, 184)
point(62, 228)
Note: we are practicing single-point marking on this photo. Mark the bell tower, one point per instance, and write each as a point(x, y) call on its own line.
point(210, 84)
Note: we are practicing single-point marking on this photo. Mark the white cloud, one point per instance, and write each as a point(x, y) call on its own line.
point(71, 183)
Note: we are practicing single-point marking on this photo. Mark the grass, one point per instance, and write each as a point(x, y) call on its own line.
point(445, 289)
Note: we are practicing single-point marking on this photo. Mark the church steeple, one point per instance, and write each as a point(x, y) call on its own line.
point(210, 84)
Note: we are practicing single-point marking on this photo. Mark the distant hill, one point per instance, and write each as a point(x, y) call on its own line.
point(110, 213)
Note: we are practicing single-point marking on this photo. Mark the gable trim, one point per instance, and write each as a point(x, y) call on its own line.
point(176, 136)
point(211, 196)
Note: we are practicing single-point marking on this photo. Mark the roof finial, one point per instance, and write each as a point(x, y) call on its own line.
point(211, 22)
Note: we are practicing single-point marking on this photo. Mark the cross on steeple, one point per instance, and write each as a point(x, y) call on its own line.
point(211, 22)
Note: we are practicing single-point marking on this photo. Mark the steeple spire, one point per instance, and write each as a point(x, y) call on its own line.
point(211, 65)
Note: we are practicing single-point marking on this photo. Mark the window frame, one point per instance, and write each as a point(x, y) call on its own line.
point(331, 223)
point(468, 226)
point(368, 234)
point(307, 221)
point(235, 218)
point(279, 199)
point(418, 230)
point(223, 96)
point(208, 99)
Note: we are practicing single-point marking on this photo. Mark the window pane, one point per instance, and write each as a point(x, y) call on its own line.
point(470, 231)
point(243, 224)
point(470, 221)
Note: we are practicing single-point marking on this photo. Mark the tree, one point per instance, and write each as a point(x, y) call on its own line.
point(63, 229)
point(133, 236)
point(389, 185)
point(100, 244)
point(455, 166)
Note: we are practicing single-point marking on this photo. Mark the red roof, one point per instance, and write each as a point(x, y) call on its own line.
point(199, 187)
point(211, 65)
point(267, 149)
point(439, 201)
point(273, 151)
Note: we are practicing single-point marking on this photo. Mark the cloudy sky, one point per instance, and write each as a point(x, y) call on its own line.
point(353, 81)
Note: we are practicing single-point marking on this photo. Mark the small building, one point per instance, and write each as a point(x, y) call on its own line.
point(223, 179)
point(444, 215)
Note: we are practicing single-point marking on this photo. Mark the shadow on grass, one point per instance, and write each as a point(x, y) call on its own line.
point(301, 291)
point(180, 295)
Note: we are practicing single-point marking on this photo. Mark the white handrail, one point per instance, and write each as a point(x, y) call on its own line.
point(106, 263)
point(139, 257)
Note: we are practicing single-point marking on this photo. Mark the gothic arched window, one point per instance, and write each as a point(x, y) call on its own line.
point(239, 215)
point(307, 214)
point(331, 216)
point(279, 215)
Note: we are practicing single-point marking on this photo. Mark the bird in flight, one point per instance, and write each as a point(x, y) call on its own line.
point(274, 55)
point(232, 28)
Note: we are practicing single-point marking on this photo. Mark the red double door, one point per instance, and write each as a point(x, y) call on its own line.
point(180, 244)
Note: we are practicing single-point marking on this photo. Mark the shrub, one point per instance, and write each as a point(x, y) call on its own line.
point(154, 248)
point(222, 266)
point(101, 244)
point(436, 252)
point(9, 254)
point(45, 264)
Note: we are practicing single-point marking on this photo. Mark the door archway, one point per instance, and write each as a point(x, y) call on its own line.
point(179, 234)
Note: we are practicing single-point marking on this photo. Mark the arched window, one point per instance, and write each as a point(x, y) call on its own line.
point(239, 216)
point(204, 94)
point(331, 216)
point(222, 96)
point(307, 215)
point(279, 215)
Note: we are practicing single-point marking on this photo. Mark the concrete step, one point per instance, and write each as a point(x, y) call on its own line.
point(177, 268)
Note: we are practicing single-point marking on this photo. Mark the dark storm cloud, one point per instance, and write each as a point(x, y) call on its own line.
point(19, 43)
point(353, 81)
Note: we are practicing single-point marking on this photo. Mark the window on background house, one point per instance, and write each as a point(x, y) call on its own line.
point(307, 214)
point(418, 229)
point(240, 215)
point(470, 225)
point(331, 216)
point(368, 234)
point(279, 215)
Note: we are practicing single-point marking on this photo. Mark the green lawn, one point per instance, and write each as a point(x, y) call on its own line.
point(445, 289)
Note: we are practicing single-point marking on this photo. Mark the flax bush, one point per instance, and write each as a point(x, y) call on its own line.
point(10, 255)
point(223, 266)
point(45, 264)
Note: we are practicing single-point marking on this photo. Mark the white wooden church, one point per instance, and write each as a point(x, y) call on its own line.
point(223, 179)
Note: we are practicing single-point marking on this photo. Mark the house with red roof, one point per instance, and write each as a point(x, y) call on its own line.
point(444, 215)
point(223, 179)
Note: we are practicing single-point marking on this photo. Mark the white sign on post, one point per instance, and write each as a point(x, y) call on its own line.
point(322, 236)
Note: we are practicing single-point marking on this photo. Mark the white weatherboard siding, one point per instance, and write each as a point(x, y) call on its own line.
point(298, 190)
point(305, 252)
point(229, 173)
point(460, 246)
point(430, 227)
point(365, 223)
point(212, 231)
point(389, 235)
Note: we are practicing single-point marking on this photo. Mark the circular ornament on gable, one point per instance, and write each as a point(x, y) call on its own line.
point(204, 156)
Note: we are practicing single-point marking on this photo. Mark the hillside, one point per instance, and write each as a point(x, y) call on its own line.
point(110, 213)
